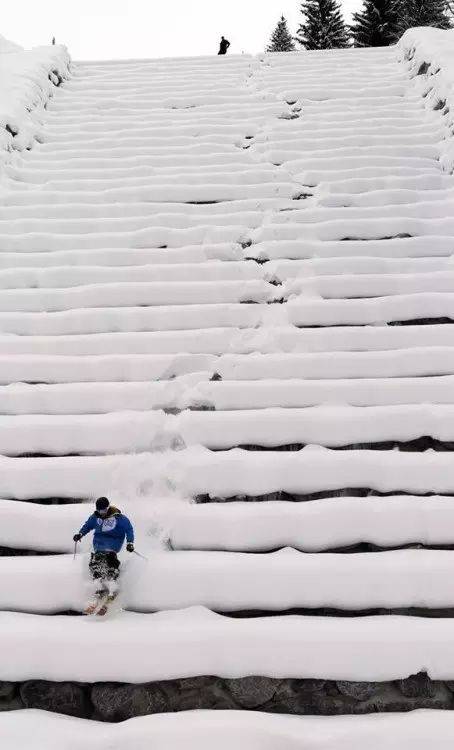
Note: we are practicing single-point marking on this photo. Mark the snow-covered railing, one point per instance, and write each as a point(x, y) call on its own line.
point(429, 54)
point(27, 80)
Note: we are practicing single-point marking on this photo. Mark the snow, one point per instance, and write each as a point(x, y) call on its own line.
point(166, 645)
point(194, 390)
point(313, 526)
point(31, 729)
point(132, 432)
point(428, 53)
point(141, 342)
point(276, 581)
point(196, 471)
point(7, 46)
point(28, 81)
point(134, 295)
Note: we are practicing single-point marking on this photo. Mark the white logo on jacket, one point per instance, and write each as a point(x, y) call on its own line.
point(107, 524)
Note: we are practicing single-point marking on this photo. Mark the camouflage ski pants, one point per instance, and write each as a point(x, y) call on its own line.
point(104, 566)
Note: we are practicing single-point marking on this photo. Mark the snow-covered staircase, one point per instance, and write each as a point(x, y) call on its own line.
point(229, 281)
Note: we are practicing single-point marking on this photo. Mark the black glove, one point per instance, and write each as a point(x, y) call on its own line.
point(77, 537)
point(130, 547)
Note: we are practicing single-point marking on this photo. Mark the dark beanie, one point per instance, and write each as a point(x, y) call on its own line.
point(102, 503)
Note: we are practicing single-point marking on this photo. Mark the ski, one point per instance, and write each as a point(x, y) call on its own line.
point(97, 604)
point(106, 605)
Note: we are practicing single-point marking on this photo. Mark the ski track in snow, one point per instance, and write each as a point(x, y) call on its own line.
point(198, 255)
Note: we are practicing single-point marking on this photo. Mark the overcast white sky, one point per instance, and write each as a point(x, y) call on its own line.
point(102, 29)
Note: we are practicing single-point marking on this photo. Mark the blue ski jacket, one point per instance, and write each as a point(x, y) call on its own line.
point(110, 530)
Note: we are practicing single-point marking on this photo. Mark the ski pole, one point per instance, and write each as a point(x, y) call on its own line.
point(75, 550)
point(139, 555)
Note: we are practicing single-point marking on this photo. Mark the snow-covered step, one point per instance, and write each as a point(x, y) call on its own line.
point(431, 209)
point(240, 474)
point(181, 193)
point(108, 368)
point(63, 277)
point(384, 171)
point(136, 165)
point(350, 156)
point(31, 729)
point(193, 391)
point(331, 366)
point(256, 394)
point(276, 581)
point(100, 225)
point(394, 247)
point(334, 365)
point(329, 425)
point(363, 649)
point(372, 311)
point(142, 209)
point(199, 341)
point(103, 397)
point(267, 340)
point(393, 198)
point(57, 181)
point(124, 432)
point(315, 267)
point(105, 308)
point(425, 185)
point(316, 526)
point(235, 104)
point(358, 126)
point(58, 132)
point(131, 294)
point(153, 237)
point(156, 318)
point(351, 286)
point(303, 139)
point(227, 251)
point(359, 229)
point(212, 144)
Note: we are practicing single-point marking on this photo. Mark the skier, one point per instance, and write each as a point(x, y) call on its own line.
point(223, 46)
point(110, 527)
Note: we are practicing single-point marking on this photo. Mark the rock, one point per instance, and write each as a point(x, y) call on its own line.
point(10, 699)
point(7, 690)
point(204, 692)
point(417, 686)
point(69, 698)
point(252, 692)
point(389, 698)
point(114, 702)
point(359, 691)
point(117, 702)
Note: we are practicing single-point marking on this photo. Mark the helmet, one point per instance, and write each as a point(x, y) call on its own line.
point(102, 504)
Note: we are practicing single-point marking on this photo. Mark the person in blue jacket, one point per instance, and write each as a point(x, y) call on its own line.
point(111, 528)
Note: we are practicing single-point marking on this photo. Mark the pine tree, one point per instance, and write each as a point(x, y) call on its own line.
point(281, 39)
point(378, 23)
point(323, 26)
point(425, 13)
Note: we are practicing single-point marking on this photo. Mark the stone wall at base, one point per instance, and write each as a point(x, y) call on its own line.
point(112, 702)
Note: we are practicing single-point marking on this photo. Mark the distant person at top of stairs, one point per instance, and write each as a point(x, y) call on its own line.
point(223, 46)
